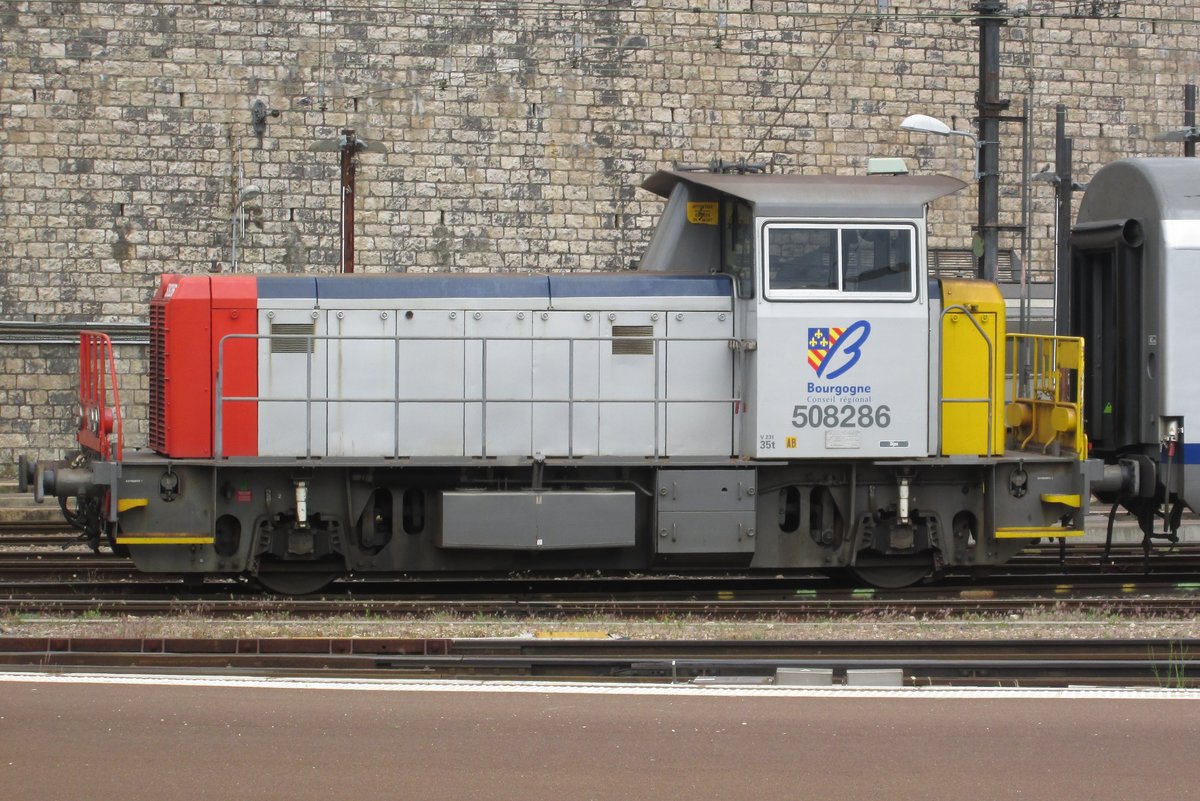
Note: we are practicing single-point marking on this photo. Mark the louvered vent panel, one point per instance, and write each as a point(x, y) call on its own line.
point(286, 337)
point(959, 263)
point(158, 366)
point(633, 340)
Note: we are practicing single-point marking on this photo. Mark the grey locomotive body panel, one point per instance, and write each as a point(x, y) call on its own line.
point(498, 367)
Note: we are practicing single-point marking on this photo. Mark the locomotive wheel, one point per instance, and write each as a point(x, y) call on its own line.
point(891, 577)
point(295, 582)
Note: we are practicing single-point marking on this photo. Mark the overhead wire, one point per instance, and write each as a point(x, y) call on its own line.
point(804, 81)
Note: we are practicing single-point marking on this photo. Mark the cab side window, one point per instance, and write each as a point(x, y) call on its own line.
point(823, 261)
point(876, 260)
point(803, 258)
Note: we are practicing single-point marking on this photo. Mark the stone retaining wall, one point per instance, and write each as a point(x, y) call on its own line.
point(517, 133)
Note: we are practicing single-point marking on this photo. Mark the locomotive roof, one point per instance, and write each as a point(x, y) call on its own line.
point(818, 195)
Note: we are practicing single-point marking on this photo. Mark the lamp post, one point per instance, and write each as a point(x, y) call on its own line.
point(991, 18)
point(1065, 187)
point(238, 219)
point(1189, 134)
point(988, 189)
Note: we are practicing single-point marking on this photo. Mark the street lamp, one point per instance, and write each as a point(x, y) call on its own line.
point(923, 123)
point(238, 220)
point(985, 247)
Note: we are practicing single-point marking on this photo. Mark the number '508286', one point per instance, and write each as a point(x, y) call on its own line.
point(847, 416)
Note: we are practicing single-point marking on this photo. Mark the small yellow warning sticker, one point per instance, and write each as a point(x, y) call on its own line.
point(790, 442)
point(702, 213)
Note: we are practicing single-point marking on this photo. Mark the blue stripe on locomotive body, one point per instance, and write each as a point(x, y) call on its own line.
point(607, 285)
point(591, 290)
point(641, 291)
point(386, 287)
point(431, 285)
point(289, 287)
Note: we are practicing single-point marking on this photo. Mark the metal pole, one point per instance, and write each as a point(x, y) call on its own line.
point(990, 105)
point(1189, 118)
point(1064, 192)
point(233, 225)
point(1026, 201)
point(349, 146)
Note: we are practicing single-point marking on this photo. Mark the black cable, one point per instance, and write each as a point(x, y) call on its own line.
point(1112, 517)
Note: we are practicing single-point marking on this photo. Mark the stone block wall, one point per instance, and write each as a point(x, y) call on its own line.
point(516, 133)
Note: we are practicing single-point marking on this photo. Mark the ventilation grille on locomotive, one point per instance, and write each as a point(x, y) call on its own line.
point(158, 427)
point(292, 337)
point(633, 340)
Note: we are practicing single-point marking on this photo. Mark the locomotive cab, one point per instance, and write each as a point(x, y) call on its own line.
point(879, 395)
point(832, 302)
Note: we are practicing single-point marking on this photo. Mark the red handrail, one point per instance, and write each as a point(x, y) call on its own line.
point(97, 420)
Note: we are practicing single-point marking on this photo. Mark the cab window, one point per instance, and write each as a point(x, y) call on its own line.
point(877, 260)
point(803, 258)
point(832, 261)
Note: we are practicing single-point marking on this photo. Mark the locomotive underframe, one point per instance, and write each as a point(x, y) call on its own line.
point(499, 516)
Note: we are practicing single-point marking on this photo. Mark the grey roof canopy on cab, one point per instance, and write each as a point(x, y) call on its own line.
point(850, 196)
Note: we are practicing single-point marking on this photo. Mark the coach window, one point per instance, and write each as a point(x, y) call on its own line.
point(812, 262)
point(737, 244)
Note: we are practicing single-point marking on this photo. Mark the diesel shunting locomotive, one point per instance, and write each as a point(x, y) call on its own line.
point(778, 386)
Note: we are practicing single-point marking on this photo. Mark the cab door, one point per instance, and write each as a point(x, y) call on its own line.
point(842, 341)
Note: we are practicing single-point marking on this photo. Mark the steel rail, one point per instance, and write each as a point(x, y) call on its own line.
point(52, 557)
point(1022, 663)
point(52, 552)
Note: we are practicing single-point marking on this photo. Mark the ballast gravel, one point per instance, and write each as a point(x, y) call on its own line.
point(1034, 625)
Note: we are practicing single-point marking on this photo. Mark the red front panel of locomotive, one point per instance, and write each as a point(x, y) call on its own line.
point(189, 317)
point(235, 355)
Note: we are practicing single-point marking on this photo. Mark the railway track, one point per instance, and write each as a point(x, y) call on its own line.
point(1024, 663)
point(23, 541)
point(148, 596)
point(45, 571)
point(43, 534)
point(44, 566)
point(64, 559)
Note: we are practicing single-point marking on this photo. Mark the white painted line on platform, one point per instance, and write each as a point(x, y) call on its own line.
point(580, 688)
